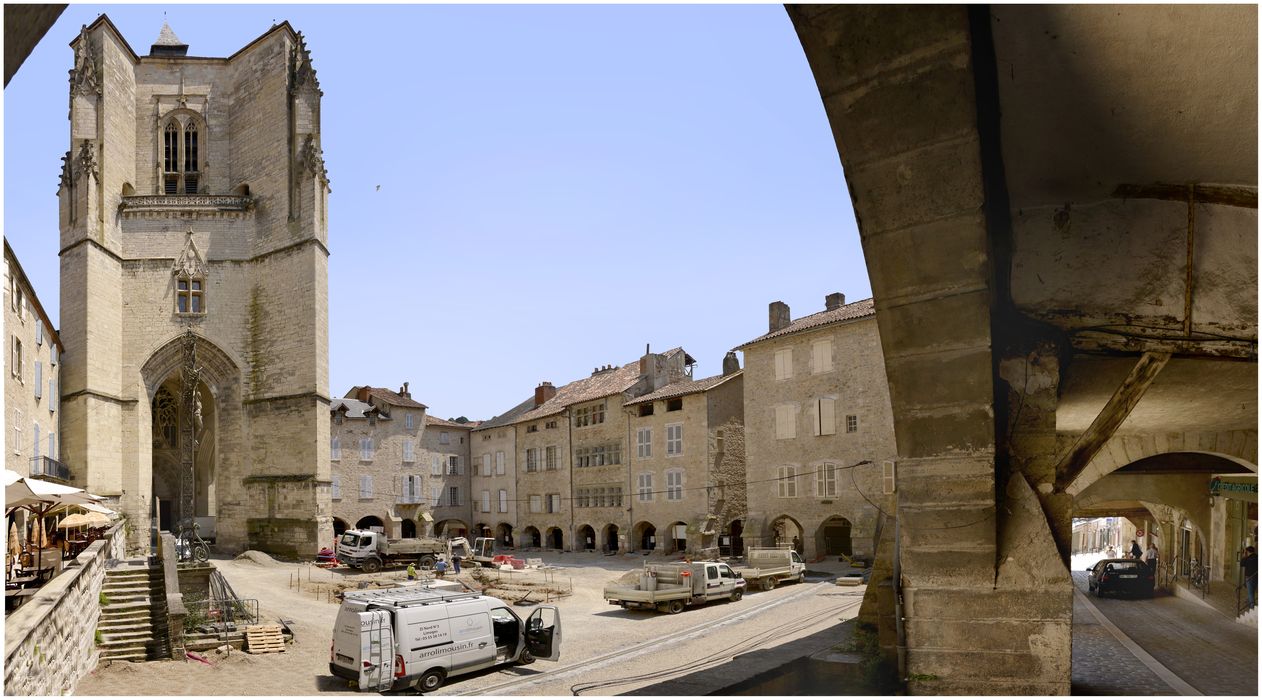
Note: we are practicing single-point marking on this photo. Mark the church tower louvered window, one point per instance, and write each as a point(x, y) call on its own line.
point(180, 167)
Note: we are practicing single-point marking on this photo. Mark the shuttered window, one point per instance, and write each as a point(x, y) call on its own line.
point(786, 427)
point(674, 440)
point(503, 501)
point(826, 480)
point(786, 483)
point(335, 448)
point(409, 451)
point(822, 356)
point(486, 464)
point(784, 364)
point(337, 488)
point(436, 468)
point(825, 422)
point(644, 443)
point(365, 487)
point(499, 463)
point(486, 501)
point(674, 485)
point(644, 487)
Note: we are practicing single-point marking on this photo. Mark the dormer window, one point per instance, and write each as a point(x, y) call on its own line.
point(180, 159)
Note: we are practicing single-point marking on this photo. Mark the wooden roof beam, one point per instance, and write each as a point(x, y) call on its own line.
point(1114, 413)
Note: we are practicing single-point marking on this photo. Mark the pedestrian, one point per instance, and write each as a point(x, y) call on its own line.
point(411, 572)
point(1249, 562)
point(455, 565)
point(797, 544)
point(1110, 553)
point(1135, 552)
point(1151, 556)
point(440, 567)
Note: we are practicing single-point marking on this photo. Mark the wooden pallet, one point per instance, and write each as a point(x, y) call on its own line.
point(264, 639)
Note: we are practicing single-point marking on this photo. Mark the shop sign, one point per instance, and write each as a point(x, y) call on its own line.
point(1241, 488)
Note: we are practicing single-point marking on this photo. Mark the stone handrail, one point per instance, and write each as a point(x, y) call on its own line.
point(50, 642)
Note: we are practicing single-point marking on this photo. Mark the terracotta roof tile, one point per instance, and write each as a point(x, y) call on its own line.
point(683, 388)
point(432, 420)
point(846, 312)
point(599, 385)
point(386, 396)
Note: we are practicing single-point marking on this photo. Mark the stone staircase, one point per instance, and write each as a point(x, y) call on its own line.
point(1249, 617)
point(133, 626)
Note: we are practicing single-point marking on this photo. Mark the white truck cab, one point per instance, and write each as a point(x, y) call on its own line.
point(394, 638)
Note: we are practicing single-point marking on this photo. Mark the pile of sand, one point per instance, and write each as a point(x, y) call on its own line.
point(257, 557)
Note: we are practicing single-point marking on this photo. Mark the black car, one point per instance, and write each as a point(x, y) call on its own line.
point(1121, 576)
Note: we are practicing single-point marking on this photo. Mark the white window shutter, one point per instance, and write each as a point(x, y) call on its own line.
point(887, 476)
point(39, 379)
point(827, 417)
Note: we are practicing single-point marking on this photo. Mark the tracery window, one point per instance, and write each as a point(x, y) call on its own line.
point(180, 159)
point(165, 423)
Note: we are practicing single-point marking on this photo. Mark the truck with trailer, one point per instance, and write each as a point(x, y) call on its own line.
point(394, 638)
point(371, 551)
point(767, 566)
point(670, 588)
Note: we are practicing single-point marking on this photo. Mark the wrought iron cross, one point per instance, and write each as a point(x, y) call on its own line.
point(191, 408)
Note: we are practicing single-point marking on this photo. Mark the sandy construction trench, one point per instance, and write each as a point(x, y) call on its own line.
point(591, 628)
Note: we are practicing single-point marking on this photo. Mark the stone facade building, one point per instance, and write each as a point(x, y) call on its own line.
point(193, 203)
point(397, 468)
point(686, 487)
point(494, 473)
point(571, 446)
point(446, 447)
point(818, 428)
point(33, 363)
point(376, 461)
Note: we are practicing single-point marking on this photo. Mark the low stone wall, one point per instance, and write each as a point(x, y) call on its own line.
point(50, 642)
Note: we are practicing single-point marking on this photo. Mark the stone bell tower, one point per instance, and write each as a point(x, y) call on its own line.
point(193, 202)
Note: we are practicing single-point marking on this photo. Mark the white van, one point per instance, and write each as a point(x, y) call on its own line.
point(389, 639)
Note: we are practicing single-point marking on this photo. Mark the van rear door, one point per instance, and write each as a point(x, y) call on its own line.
point(543, 633)
point(376, 657)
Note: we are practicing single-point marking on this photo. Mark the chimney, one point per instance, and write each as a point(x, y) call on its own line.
point(362, 394)
point(731, 365)
point(543, 392)
point(403, 391)
point(777, 316)
point(836, 300)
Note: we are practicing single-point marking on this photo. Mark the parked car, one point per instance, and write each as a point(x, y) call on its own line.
point(1131, 576)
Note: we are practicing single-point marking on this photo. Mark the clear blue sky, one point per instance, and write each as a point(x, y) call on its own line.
point(560, 185)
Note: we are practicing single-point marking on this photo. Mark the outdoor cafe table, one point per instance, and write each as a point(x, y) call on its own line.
point(19, 581)
point(15, 597)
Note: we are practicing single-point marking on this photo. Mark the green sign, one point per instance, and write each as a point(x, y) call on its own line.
point(1240, 488)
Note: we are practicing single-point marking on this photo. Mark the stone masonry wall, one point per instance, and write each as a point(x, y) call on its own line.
point(49, 643)
point(492, 442)
point(856, 382)
point(432, 447)
point(386, 468)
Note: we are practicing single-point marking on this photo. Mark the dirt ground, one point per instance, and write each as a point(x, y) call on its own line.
point(302, 595)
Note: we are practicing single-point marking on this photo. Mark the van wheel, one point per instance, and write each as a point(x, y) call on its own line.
point(736, 595)
point(675, 607)
point(431, 681)
point(768, 583)
point(526, 658)
point(426, 561)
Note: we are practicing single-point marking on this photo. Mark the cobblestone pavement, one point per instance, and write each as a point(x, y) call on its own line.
point(1102, 666)
point(1208, 651)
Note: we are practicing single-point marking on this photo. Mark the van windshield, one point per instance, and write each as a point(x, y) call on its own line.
point(350, 540)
